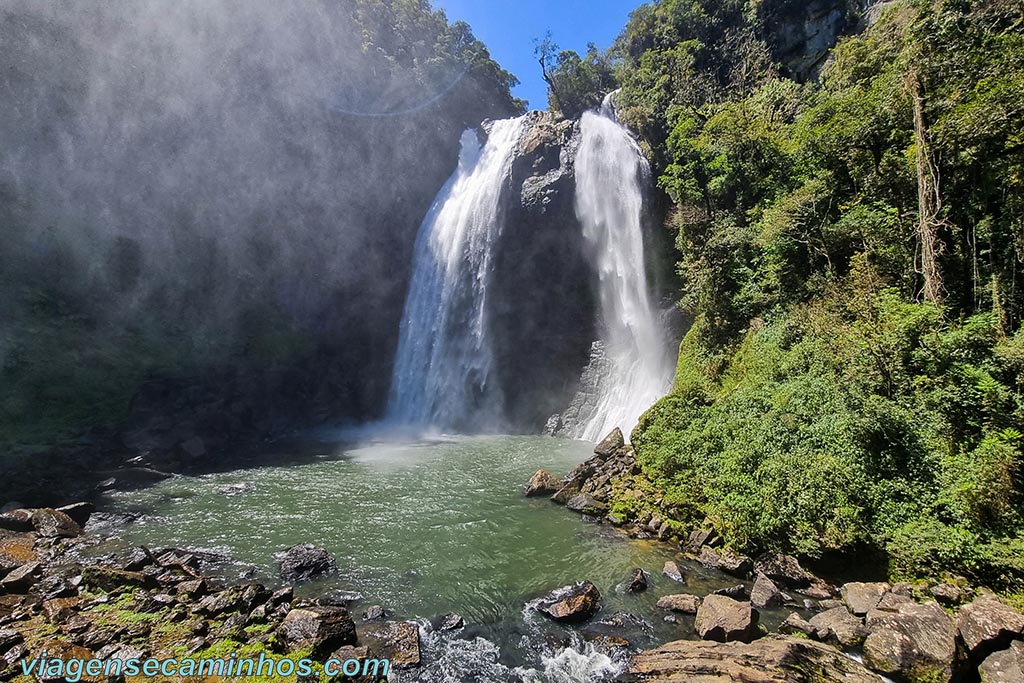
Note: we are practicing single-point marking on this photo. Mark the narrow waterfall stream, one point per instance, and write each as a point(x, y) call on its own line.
point(632, 366)
point(442, 375)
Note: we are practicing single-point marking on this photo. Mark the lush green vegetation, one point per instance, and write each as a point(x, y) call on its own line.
point(852, 256)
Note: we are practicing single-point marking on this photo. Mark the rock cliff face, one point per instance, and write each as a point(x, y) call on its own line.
point(543, 314)
point(801, 34)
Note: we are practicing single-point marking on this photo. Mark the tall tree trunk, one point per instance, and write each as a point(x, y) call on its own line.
point(929, 201)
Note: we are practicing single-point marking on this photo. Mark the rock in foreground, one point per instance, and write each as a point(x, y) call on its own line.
point(780, 659)
point(723, 619)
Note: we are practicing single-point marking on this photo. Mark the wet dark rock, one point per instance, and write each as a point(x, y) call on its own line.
point(765, 593)
point(683, 603)
point(542, 483)
point(317, 629)
point(775, 659)
point(863, 597)
point(586, 504)
point(110, 579)
point(16, 520)
point(737, 592)
point(917, 642)
point(611, 443)
point(398, 641)
point(725, 561)
point(672, 571)
point(375, 613)
point(1005, 666)
point(21, 579)
point(451, 622)
point(50, 523)
point(724, 620)
point(783, 570)
point(304, 562)
point(79, 512)
point(574, 603)
point(192, 589)
point(9, 638)
point(637, 582)
point(987, 625)
point(842, 627)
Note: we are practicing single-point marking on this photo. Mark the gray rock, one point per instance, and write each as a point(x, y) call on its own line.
point(397, 641)
point(451, 622)
point(737, 592)
point(19, 519)
point(637, 582)
point(917, 642)
point(542, 483)
point(304, 562)
point(79, 512)
point(1005, 666)
point(320, 630)
point(843, 628)
point(783, 570)
point(21, 579)
point(586, 504)
point(50, 523)
point(987, 625)
point(574, 603)
point(863, 597)
point(797, 625)
point(948, 594)
point(765, 593)
point(611, 443)
point(672, 571)
point(700, 538)
point(725, 561)
point(683, 603)
point(724, 620)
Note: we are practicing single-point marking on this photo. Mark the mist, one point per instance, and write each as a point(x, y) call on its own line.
point(221, 182)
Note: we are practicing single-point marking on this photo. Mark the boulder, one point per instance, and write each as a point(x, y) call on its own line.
point(637, 582)
point(987, 625)
point(765, 593)
point(375, 613)
point(842, 627)
point(672, 571)
point(306, 561)
point(320, 630)
point(79, 512)
point(737, 592)
point(775, 659)
point(21, 579)
point(917, 642)
point(586, 504)
point(700, 538)
point(796, 625)
point(574, 603)
point(50, 523)
point(397, 641)
point(783, 570)
point(683, 603)
point(724, 620)
point(863, 597)
point(948, 594)
point(1005, 666)
point(16, 520)
point(9, 638)
point(110, 579)
point(542, 483)
point(451, 622)
point(725, 561)
point(611, 443)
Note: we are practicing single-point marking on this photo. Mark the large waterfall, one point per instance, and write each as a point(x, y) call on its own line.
point(631, 367)
point(442, 376)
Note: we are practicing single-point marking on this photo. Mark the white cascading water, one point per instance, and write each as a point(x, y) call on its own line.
point(442, 375)
point(636, 368)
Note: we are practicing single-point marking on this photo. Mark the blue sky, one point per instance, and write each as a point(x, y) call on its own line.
point(508, 28)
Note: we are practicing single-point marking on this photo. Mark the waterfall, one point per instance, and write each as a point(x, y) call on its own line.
point(442, 375)
point(631, 367)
